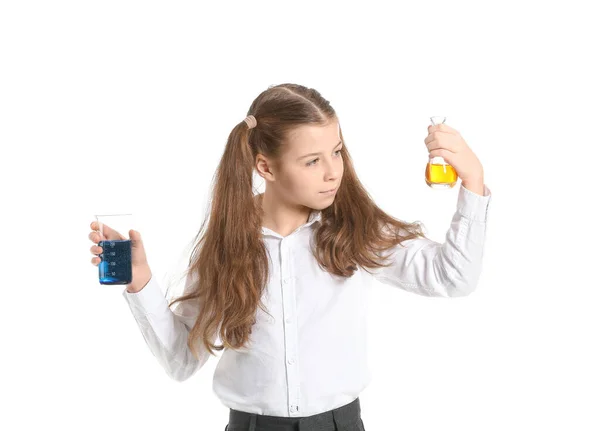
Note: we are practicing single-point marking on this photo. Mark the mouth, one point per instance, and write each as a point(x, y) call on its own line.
point(329, 191)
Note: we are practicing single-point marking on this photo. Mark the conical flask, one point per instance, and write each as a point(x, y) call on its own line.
point(438, 173)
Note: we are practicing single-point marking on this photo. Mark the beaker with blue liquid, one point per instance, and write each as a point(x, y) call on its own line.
point(115, 259)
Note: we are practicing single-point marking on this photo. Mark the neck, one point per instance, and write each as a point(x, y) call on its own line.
point(281, 217)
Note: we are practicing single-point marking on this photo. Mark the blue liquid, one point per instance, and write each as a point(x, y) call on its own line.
point(115, 264)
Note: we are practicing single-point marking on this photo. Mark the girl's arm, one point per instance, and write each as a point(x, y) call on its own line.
point(451, 269)
point(166, 331)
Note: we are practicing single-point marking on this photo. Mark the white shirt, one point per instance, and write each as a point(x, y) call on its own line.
point(311, 356)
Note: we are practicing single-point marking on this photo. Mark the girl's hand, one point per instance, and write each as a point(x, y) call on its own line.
point(446, 142)
point(140, 270)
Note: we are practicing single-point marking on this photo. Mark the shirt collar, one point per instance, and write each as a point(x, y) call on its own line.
point(314, 216)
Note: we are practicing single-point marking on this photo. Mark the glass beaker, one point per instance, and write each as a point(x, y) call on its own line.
point(438, 173)
point(115, 259)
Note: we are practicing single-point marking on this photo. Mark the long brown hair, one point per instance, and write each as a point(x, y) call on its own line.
point(229, 259)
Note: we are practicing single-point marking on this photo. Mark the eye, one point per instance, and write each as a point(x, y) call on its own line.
point(313, 161)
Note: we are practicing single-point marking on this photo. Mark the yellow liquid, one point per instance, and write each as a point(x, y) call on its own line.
point(440, 176)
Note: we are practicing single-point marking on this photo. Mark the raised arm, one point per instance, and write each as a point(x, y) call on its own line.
point(448, 269)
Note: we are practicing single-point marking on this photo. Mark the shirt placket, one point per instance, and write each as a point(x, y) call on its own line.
point(291, 347)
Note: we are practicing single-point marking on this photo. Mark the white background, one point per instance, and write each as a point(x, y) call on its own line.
point(123, 106)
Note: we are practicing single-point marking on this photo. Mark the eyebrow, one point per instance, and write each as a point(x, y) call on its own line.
point(316, 154)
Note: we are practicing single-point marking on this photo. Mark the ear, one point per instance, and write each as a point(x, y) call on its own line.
point(263, 167)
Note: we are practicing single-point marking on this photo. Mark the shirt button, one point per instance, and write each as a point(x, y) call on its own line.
point(288, 320)
point(293, 409)
point(285, 280)
point(291, 361)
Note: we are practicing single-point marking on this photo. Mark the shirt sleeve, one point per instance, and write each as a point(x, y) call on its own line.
point(448, 269)
point(165, 330)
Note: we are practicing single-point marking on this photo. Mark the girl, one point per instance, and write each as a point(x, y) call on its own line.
point(281, 277)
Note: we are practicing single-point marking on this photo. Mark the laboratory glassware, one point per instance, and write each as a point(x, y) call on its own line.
point(115, 259)
point(438, 173)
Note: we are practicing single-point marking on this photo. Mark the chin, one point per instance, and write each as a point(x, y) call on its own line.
point(325, 202)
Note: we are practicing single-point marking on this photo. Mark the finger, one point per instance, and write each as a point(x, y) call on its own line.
point(447, 150)
point(96, 249)
point(447, 141)
point(444, 128)
point(436, 140)
point(95, 225)
point(448, 156)
point(96, 237)
point(96, 260)
point(110, 233)
point(438, 133)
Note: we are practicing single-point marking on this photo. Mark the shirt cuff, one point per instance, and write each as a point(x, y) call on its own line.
point(472, 205)
point(149, 300)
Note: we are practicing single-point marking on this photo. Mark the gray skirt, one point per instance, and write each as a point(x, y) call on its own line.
point(344, 418)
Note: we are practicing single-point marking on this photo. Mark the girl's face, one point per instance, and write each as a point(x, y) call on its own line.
point(304, 175)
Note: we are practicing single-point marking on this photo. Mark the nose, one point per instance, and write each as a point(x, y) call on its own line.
point(332, 171)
